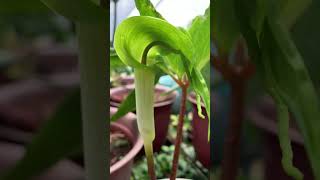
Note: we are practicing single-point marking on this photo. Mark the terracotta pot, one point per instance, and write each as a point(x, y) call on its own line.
point(121, 170)
point(162, 110)
point(200, 133)
point(264, 116)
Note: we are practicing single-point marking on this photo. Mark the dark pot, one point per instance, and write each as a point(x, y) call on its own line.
point(56, 60)
point(200, 133)
point(25, 105)
point(162, 110)
point(11, 153)
point(121, 170)
point(264, 116)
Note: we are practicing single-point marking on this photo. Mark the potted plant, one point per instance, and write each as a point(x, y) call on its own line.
point(180, 53)
point(259, 34)
point(125, 143)
point(200, 126)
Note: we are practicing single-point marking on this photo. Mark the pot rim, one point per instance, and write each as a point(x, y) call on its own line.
point(137, 146)
point(130, 155)
point(169, 100)
point(192, 98)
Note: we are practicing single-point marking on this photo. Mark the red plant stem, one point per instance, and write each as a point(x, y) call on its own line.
point(231, 152)
point(178, 141)
point(237, 75)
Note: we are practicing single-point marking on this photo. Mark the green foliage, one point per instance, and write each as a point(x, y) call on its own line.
point(163, 164)
point(146, 8)
point(279, 64)
point(173, 50)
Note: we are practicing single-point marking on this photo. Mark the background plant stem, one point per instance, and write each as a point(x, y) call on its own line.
point(93, 67)
point(178, 140)
point(231, 150)
point(237, 75)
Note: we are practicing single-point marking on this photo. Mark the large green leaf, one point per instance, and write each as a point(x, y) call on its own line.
point(199, 31)
point(146, 8)
point(135, 35)
point(295, 87)
point(291, 10)
point(285, 77)
point(305, 33)
point(225, 26)
point(128, 105)
point(60, 137)
point(115, 61)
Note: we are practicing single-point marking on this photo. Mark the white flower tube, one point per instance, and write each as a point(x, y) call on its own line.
point(144, 87)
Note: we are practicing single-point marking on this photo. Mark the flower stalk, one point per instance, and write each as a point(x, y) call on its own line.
point(144, 86)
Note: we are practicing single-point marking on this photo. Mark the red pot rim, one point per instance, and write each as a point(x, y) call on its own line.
point(169, 98)
point(137, 145)
point(192, 98)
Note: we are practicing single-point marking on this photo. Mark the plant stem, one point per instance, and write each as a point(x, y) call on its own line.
point(148, 148)
point(92, 39)
point(178, 141)
point(237, 75)
point(231, 152)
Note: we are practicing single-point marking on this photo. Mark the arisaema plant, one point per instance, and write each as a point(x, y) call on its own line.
point(265, 26)
point(151, 45)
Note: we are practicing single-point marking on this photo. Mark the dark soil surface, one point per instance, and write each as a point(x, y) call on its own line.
point(119, 146)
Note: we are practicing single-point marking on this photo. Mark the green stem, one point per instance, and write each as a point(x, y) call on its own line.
point(93, 67)
point(285, 143)
point(148, 148)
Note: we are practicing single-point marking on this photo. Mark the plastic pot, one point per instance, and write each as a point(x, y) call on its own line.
point(162, 109)
point(264, 116)
point(121, 170)
point(200, 133)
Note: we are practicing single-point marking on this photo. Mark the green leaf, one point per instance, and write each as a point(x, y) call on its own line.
point(199, 85)
point(199, 31)
point(60, 137)
point(115, 61)
point(283, 73)
point(135, 35)
point(78, 10)
point(293, 84)
point(305, 33)
point(291, 10)
point(128, 105)
point(146, 8)
point(225, 26)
